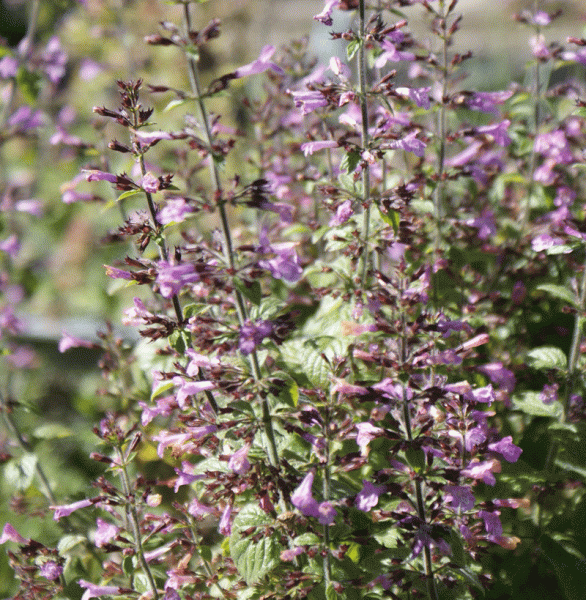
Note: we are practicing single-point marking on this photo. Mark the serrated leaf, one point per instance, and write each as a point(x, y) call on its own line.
point(531, 404)
point(470, 578)
point(547, 357)
point(306, 539)
point(251, 291)
point(392, 218)
point(350, 161)
point(389, 537)
point(253, 559)
point(558, 291)
point(52, 431)
point(68, 542)
point(19, 472)
point(316, 369)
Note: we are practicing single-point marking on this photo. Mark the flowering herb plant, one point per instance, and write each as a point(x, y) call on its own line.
point(357, 314)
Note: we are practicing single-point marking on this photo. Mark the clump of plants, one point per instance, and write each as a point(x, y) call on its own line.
point(357, 292)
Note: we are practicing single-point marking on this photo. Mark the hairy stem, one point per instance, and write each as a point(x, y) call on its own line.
point(365, 140)
point(227, 239)
point(132, 518)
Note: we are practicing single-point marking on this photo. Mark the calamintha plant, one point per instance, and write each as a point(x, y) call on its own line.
point(349, 382)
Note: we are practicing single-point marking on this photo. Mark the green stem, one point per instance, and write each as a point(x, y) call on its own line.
point(326, 495)
point(164, 254)
point(227, 239)
point(132, 518)
point(365, 140)
point(25, 446)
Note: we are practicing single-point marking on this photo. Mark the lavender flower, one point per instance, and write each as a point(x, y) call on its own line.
point(172, 278)
point(308, 101)
point(66, 509)
point(507, 449)
point(51, 570)
point(95, 591)
point(325, 16)
point(367, 498)
point(239, 460)
point(303, 500)
point(105, 533)
point(252, 334)
point(9, 534)
point(460, 497)
point(261, 64)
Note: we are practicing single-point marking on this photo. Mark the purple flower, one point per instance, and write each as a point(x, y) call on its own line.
point(492, 524)
point(25, 118)
point(67, 509)
point(32, 206)
point(9, 534)
point(366, 433)
point(506, 448)
point(391, 54)
point(326, 513)
point(285, 264)
point(423, 538)
point(325, 16)
point(190, 388)
point(545, 241)
point(105, 533)
point(252, 334)
point(8, 66)
point(10, 245)
point(418, 95)
point(68, 341)
point(150, 183)
point(541, 18)
point(499, 375)
point(290, 554)
point(261, 64)
point(89, 69)
point(51, 570)
point(95, 591)
point(197, 509)
point(409, 143)
point(239, 460)
point(302, 498)
point(175, 211)
point(308, 101)
point(483, 470)
point(172, 278)
point(367, 498)
point(311, 147)
point(487, 101)
point(225, 526)
point(96, 175)
point(578, 56)
point(554, 145)
point(115, 273)
point(54, 60)
point(343, 213)
point(339, 68)
point(497, 131)
point(460, 497)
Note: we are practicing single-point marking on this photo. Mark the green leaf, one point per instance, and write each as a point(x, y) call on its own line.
point(392, 218)
point(19, 472)
point(547, 357)
point(177, 342)
point(352, 48)
point(162, 387)
point(569, 569)
point(253, 559)
point(415, 458)
point(69, 542)
point(52, 431)
point(350, 161)
point(531, 404)
point(306, 539)
point(316, 369)
point(558, 291)
point(128, 194)
point(29, 84)
point(250, 290)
